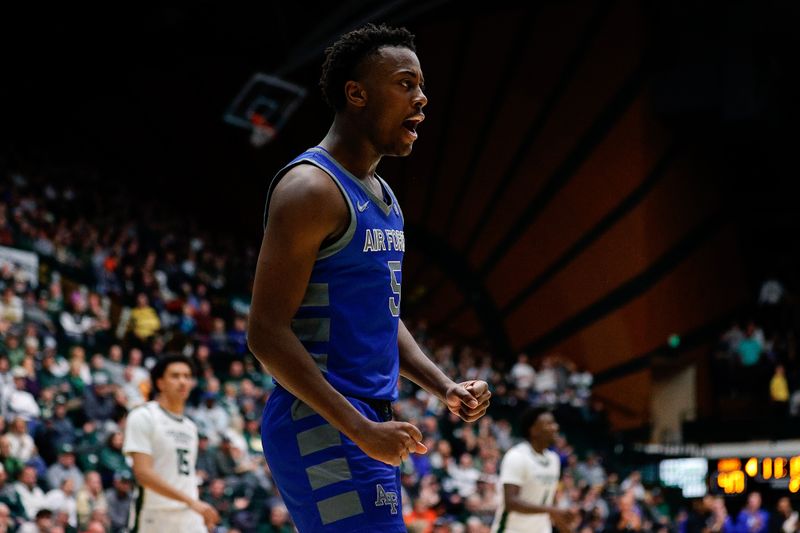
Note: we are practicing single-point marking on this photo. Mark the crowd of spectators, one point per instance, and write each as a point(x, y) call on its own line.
point(756, 358)
point(710, 514)
point(115, 293)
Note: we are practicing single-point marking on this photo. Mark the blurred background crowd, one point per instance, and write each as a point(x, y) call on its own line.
point(120, 283)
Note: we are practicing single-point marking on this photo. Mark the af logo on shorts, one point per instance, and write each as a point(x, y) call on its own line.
point(386, 498)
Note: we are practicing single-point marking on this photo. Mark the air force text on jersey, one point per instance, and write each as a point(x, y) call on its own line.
point(382, 240)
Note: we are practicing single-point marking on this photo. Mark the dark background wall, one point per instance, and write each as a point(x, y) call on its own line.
point(593, 176)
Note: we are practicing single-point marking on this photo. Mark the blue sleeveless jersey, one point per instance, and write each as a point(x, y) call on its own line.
point(349, 316)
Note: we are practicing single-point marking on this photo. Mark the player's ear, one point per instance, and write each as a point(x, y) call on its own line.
point(355, 93)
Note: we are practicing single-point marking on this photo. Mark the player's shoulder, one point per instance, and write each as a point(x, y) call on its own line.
point(140, 420)
point(517, 452)
point(303, 189)
point(143, 411)
point(519, 448)
point(189, 421)
point(305, 182)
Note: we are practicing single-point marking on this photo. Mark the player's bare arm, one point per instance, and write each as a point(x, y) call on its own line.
point(562, 518)
point(307, 209)
point(148, 478)
point(469, 400)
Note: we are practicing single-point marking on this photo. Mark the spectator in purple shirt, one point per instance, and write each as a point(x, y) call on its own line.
point(752, 518)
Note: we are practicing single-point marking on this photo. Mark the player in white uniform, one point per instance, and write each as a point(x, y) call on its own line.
point(528, 481)
point(163, 444)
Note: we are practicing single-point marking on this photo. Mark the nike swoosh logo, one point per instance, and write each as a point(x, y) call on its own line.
point(362, 207)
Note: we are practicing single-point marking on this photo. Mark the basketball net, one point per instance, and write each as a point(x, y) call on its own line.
point(262, 131)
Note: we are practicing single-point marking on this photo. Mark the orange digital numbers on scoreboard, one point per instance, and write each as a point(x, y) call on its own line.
point(780, 467)
point(766, 468)
point(731, 482)
point(733, 472)
point(751, 467)
point(794, 474)
point(729, 465)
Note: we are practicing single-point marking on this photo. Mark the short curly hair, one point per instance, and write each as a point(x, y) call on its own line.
point(528, 419)
point(343, 57)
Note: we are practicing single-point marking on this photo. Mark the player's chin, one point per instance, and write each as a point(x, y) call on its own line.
point(402, 148)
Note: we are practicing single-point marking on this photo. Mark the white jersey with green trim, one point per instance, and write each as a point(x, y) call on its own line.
point(536, 474)
point(171, 440)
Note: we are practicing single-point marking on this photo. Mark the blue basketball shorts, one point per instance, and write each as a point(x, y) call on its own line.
point(328, 484)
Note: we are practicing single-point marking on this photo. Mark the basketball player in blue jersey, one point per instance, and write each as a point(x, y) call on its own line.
point(325, 315)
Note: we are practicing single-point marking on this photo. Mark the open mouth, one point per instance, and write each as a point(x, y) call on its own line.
point(410, 124)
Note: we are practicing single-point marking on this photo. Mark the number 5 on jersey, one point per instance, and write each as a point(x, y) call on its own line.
point(183, 463)
point(394, 304)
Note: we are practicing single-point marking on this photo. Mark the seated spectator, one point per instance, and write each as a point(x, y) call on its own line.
point(546, 381)
point(49, 375)
point(633, 484)
point(31, 496)
point(59, 427)
point(216, 497)
point(90, 499)
point(210, 417)
point(279, 521)
point(7, 524)
point(134, 391)
point(9, 497)
point(522, 373)
point(77, 356)
point(750, 347)
point(62, 499)
point(252, 435)
point(11, 465)
point(12, 349)
point(627, 516)
point(98, 399)
point(43, 523)
point(186, 323)
point(421, 518)
point(6, 380)
point(144, 322)
point(237, 336)
point(218, 338)
point(119, 499)
point(65, 468)
point(141, 376)
point(112, 460)
point(464, 475)
point(779, 392)
point(19, 401)
point(11, 308)
point(206, 467)
point(785, 519)
point(229, 459)
point(98, 311)
point(204, 319)
point(76, 324)
point(21, 443)
point(114, 364)
point(752, 518)
point(95, 526)
point(75, 380)
point(61, 523)
point(591, 472)
point(35, 310)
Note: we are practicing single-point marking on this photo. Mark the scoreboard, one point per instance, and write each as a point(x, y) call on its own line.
point(732, 475)
point(696, 476)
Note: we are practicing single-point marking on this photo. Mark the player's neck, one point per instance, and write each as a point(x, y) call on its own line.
point(346, 144)
point(173, 406)
point(538, 447)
